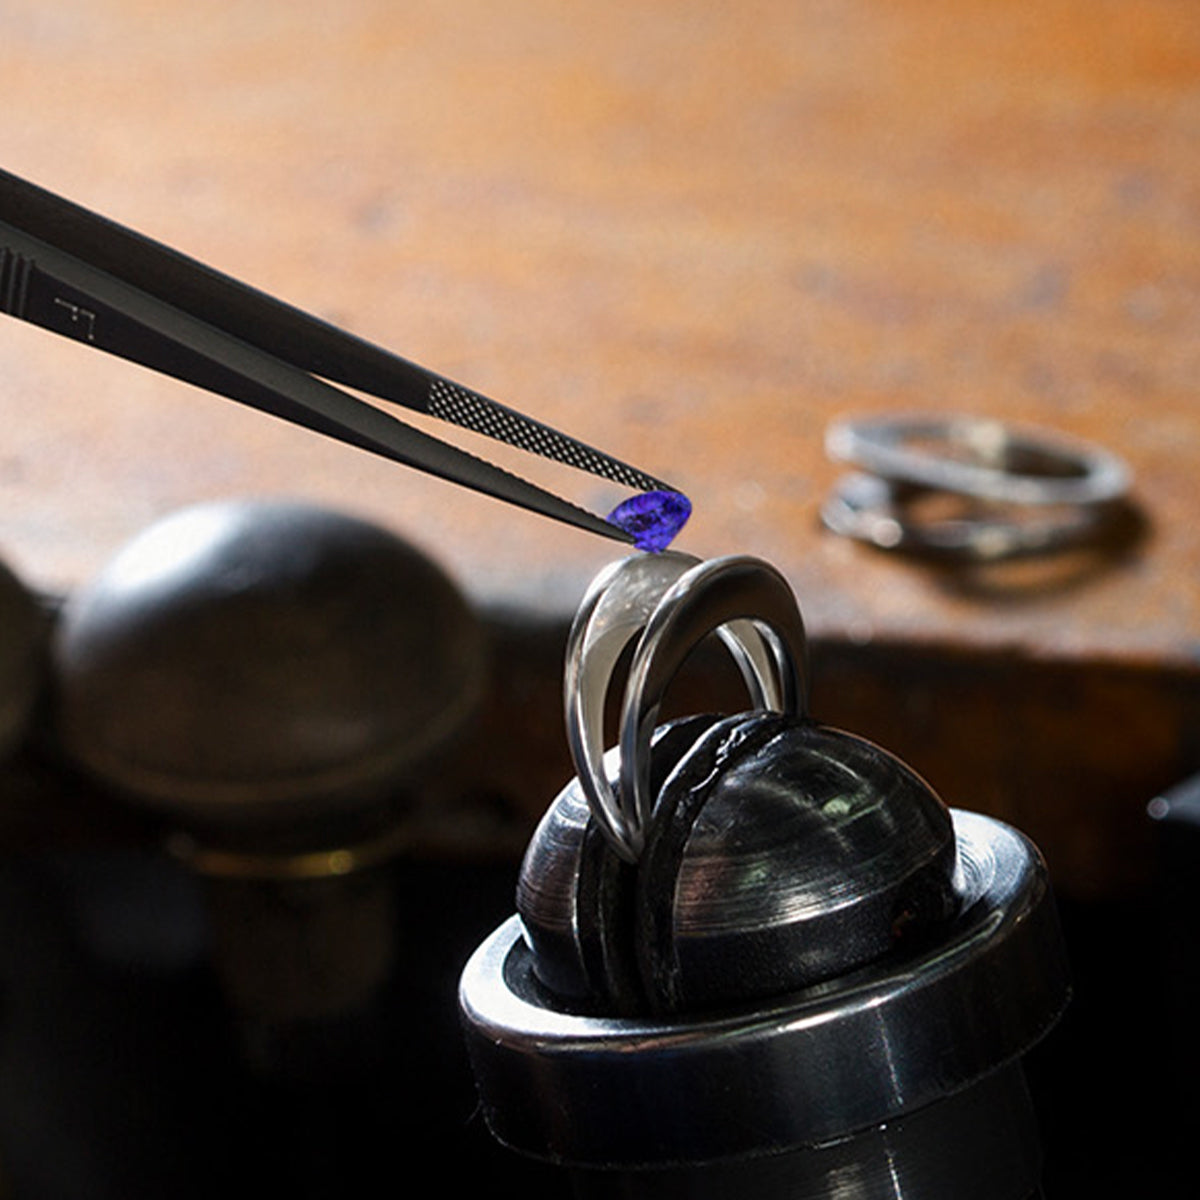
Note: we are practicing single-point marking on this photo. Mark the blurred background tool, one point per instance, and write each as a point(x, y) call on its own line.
point(272, 678)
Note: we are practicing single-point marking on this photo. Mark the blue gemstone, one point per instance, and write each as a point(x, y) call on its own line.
point(653, 518)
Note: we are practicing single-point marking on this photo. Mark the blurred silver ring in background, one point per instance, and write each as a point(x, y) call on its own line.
point(1023, 492)
point(879, 511)
point(979, 456)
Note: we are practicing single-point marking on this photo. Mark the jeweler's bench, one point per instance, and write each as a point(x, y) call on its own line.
point(691, 234)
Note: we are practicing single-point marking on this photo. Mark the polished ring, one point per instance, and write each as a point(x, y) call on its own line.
point(710, 595)
point(981, 457)
point(880, 512)
point(614, 611)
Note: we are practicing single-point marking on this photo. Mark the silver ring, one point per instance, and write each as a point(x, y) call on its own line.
point(976, 456)
point(616, 608)
point(708, 596)
point(879, 512)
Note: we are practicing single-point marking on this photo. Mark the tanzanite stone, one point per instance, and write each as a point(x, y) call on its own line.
point(653, 518)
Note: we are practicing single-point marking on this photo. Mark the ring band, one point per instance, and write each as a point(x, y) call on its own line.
point(877, 511)
point(980, 457)
point(615, 610)
point(708, 596)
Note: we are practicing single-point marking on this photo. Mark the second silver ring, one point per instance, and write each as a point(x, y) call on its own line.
point(709, 596)
point(618, 608)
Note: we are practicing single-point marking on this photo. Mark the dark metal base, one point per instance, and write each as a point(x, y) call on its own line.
point(982, 1143)
point(121, 1076)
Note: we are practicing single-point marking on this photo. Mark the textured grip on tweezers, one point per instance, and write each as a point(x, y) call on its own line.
point(460, 406)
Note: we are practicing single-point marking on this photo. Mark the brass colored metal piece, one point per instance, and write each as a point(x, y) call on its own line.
point(222, 863)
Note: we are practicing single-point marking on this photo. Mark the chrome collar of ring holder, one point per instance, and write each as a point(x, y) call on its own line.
point(804, 1069)
point(1034, 492)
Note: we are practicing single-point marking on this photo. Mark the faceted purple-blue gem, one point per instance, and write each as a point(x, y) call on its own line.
point(653, 518)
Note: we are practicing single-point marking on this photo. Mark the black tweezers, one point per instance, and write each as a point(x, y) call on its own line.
point(78, 274)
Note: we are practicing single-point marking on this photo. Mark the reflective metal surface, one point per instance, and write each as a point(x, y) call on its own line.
point(721, 590)
point(614, 611)
point(765, 853)
point(1016, 491)
point(887, 514)
point(977, 456)
point(784, 853)
point(840, 1056)
point(781, 853)
point(262, 662)
point(980, 1144)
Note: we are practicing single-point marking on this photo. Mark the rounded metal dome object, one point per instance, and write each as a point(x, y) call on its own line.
point(242, 662)
point(780, 853)
point(783, 853)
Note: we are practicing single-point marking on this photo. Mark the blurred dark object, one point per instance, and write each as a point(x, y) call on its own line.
point(1175, 815)
point(122, 1079)
point(271, 678)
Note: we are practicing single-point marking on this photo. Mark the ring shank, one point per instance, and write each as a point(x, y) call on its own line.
point(886, 514)
point(981, 457)
point(707, 597)
point(616, 609)
point(1023, 492)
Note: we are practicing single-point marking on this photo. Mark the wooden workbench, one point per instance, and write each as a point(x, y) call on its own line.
point(690, 233)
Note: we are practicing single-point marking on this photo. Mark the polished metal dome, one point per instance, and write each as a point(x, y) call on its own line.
point(780, 853)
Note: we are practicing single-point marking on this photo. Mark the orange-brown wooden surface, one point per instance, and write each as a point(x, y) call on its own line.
point(689, 232)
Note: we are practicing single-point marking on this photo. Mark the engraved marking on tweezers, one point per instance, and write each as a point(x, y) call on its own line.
point(15, 270)
point(475, 412)
point(83, 317)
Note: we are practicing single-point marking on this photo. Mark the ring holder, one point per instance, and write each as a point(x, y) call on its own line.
point(818, 947)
